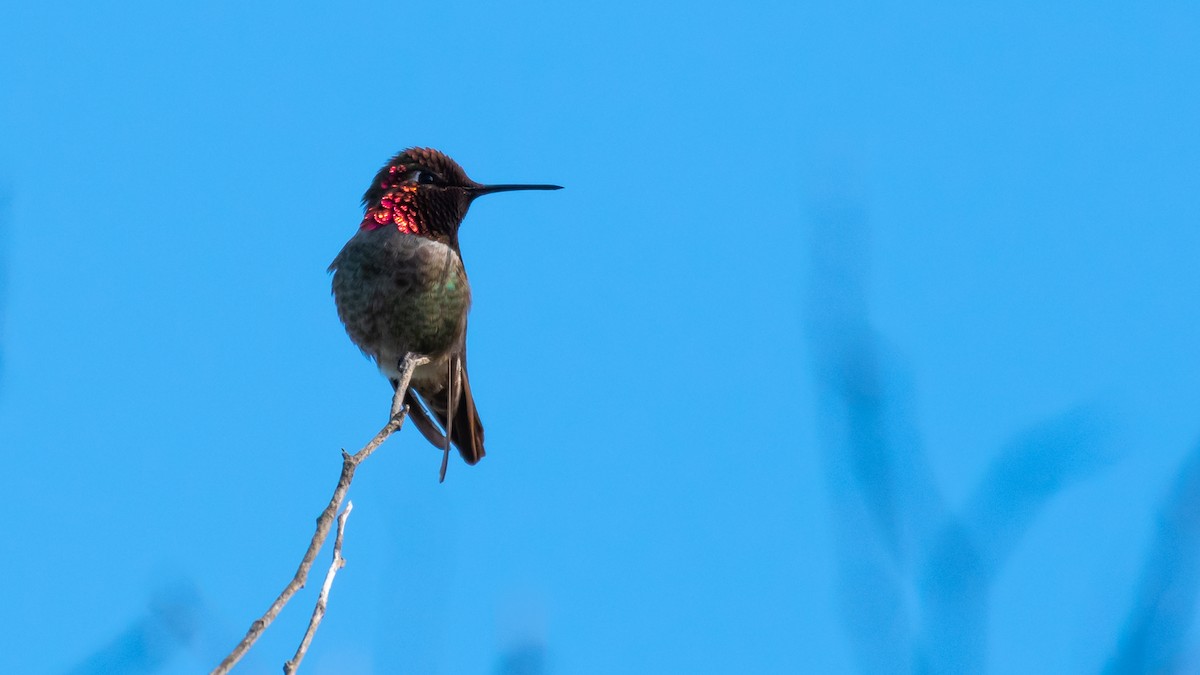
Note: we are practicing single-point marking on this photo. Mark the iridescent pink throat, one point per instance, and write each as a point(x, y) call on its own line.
point(396, 208)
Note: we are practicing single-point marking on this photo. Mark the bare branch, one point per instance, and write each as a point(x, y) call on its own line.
point(322, 599)
point(326, 519)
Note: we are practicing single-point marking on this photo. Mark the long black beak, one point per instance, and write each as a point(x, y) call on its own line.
point(479, 190)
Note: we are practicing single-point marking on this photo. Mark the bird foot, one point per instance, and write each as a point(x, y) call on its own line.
point(407, 366)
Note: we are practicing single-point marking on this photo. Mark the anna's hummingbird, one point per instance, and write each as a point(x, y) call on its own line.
point(400, 287)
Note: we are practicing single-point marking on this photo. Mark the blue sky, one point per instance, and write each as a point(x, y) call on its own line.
point(854, 322)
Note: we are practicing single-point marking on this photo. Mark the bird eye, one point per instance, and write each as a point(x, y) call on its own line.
point(420, 176)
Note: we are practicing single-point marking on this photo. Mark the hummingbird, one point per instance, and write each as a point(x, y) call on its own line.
point(400, 287)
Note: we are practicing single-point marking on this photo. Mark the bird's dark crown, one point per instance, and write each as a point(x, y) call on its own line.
point(422, 191)
point(420, 166)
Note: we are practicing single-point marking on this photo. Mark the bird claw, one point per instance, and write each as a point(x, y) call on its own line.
point(399, 411)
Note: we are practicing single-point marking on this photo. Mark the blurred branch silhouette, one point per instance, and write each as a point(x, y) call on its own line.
point(325, 521)
point(914, 576)
point(1152, 640)
point(963, 560)
point(171, 623)
point(525, 658)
